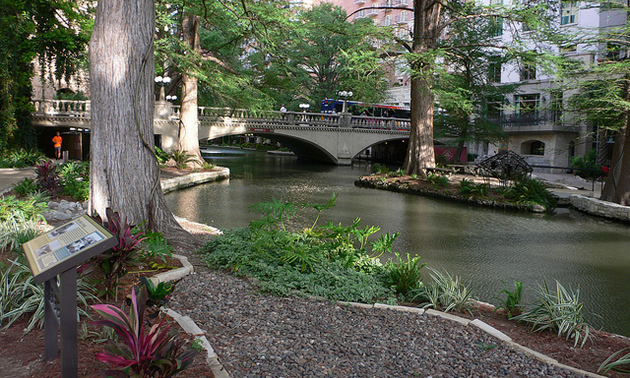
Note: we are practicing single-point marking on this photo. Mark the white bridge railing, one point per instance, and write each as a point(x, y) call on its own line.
point(211, 115)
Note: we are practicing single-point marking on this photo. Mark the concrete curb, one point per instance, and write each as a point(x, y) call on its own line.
point(191, 327)
point(186, 322)
point(174, 274)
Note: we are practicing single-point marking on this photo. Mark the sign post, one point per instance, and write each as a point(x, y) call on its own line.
point(58, 253)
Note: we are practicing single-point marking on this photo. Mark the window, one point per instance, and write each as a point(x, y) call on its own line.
point(494, 69)
point(568, 12)
point(527, 105)
point(536, 147)
point(616, 52)
point(495, 26)
point(528, 72)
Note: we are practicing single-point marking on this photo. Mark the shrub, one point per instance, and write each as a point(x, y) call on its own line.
point(531, 191)
point(437, 180)
point(26, 186)
point(162, 156)
point(559, 311)
point(29, 208)
point(154, 245)
point(333, 261)
point(75, 179)
point(20, 295)
point(446, 292)
point(587, 166)
point(405, 276)
point(115, 264)
point(151, 352)
point(469, 188)
point(512, 303)
point(20, 158)
point(182, 159)
point(47, 178)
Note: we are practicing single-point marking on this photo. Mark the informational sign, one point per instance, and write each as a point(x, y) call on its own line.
point(66, 246)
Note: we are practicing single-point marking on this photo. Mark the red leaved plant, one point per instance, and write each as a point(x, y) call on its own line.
point(151, 353)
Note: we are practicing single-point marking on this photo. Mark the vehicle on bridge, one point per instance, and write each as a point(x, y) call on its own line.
point(361, 108)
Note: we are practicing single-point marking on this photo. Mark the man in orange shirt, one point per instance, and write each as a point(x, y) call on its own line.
point(57, 143)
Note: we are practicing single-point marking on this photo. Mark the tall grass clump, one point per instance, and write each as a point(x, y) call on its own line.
point(559, 311)
point(445, 292)
point(438, 180)
point(21, 296)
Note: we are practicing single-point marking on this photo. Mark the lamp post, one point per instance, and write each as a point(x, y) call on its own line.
point(171, 98)
point(304, 108)
point(344, 95)
point(162, 82)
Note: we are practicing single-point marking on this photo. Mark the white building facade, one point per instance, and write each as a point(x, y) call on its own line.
point(533, 117)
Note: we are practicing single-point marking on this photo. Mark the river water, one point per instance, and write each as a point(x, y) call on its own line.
point(482, 246)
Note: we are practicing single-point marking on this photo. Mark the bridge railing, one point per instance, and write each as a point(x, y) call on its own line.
point(62, 107)
point(253, 117)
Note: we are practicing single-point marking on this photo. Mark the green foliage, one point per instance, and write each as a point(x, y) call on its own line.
point(380, 169)
point(155, 245)
point(445, 292)
point(20, 158)
point(20, 295)
point(26, 186)
point(182, 159)
point(74, 177)
point(157, 295)
point(469, 188)
point(115, 263)
point(29, 208)
point(36, 32)
point(333, 261)
point(587, 166)
point(512, 303)
point(559, 311)
point(150, 350)
point(162, 156)
point(531, 191)
point(17, 230)
point(621, 364)
point(405, 276)
point(438, 180)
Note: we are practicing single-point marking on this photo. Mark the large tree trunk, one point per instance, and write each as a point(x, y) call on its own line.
point(123, 169)
point(189, 127)
point(421, 151)
point(617, 187)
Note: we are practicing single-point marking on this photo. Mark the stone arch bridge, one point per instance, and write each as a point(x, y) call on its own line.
point(333, 138)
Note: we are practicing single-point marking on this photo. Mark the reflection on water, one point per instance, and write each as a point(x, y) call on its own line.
point(483, 246)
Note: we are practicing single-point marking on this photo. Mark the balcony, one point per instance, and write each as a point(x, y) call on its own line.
point(540, 121)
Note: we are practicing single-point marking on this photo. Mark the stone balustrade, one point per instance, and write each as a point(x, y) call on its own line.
point(212, 115)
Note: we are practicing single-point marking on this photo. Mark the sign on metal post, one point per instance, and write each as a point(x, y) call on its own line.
point(58, 253)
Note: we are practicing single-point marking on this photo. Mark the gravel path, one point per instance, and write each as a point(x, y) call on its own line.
point(257, 335)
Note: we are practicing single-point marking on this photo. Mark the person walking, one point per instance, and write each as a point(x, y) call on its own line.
point(57, 140)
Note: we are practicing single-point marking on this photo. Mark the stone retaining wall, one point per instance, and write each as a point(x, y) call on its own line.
point(192, 179)
point(600, 208)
